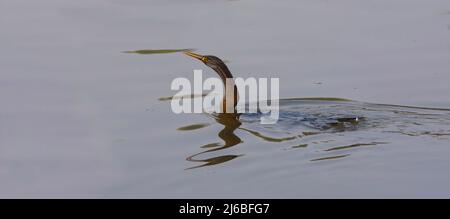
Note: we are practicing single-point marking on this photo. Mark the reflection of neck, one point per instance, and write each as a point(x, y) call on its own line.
point(231, 123)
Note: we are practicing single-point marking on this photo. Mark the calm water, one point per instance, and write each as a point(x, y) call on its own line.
point(79, 118)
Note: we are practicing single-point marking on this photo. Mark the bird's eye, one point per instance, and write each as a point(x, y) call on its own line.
point(205, 59)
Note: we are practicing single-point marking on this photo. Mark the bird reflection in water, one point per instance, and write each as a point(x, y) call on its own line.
point(231, 122)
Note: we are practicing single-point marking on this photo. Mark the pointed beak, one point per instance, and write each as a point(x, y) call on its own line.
point(194, 55)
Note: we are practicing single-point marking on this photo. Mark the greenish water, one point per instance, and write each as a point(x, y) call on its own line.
point(81, 118)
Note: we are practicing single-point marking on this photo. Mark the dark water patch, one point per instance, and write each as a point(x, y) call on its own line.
point(300, 146)
point(423, 133)
point(310, 133)
point(193, 127)
point(212, 161)
point(267, 138)
point(211, 145)
point(331, 158)
point(355, 145)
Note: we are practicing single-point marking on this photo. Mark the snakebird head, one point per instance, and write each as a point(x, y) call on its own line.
point(213, 62)
point(222, 70)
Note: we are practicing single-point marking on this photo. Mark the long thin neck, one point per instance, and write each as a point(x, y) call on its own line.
point(224, 73)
